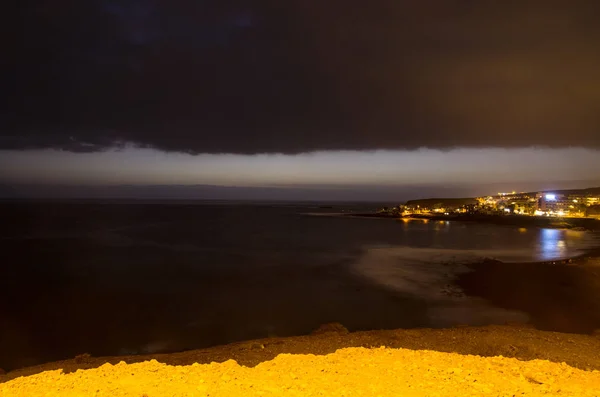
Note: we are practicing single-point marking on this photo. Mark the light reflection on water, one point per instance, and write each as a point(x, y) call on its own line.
point(553, 244)
point(508, 244)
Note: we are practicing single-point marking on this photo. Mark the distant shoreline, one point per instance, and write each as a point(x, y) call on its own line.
point(507, 220)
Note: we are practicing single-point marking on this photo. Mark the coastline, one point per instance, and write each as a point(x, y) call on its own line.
point(590, 224)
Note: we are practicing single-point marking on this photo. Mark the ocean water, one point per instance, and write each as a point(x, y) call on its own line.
point(127, 278)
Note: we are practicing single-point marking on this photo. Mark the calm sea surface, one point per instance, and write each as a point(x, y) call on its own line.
point(126, 278)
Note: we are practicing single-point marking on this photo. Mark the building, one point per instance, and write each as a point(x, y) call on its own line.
point(521, 204)
point(524, 205)
point(553, 204)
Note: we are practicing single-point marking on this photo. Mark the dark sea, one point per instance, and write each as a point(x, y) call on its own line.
point(111, 278)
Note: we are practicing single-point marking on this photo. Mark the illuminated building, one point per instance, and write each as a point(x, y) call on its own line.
point(518, 203)
point(554, 204)
point(524, 205)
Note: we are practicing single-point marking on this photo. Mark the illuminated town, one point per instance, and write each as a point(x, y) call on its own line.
point(563, 204)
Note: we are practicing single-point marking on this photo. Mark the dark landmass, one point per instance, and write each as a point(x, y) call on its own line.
point(457, 202)
point(561, 296)
point(590, 190)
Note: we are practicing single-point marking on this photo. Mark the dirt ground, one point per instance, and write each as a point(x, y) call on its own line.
point(376, 371)
point(511, 341)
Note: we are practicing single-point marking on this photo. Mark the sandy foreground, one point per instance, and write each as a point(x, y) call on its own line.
point(347, 372)
point(495, 360)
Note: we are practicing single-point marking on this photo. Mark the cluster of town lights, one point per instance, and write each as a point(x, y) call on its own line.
point(526, 204)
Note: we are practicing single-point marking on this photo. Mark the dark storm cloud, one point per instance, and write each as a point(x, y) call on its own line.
point(300, 75)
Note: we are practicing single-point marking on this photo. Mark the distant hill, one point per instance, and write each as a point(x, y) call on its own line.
point(458, 202)
point(441, 202)
point(590, 190)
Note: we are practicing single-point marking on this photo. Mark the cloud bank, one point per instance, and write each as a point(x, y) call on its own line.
point(297, 76)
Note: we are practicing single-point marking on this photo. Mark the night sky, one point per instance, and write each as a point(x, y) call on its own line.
point(375, 100)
